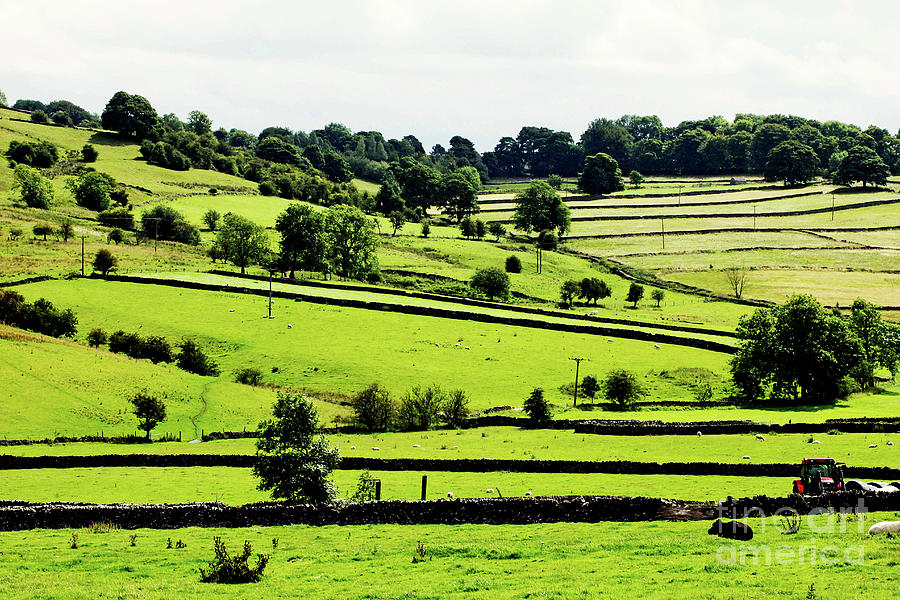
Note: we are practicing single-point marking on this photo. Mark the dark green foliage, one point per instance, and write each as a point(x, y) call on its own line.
point(480, 229)
point(491, 282)
point(862, 164)
point(601, 175)
point(621, 388)
point(336, 168)
point(165, 155)
point(540, 208)
point(658, 295)
point(40, 316)
point(303, 242)
point(497, 230)
point(96, 337)
point(66, 230)
point(513, 264)
point(117, 217)
point(457, 196)
point(279, 151)
point(93, 190)
point(155, 349)
point(315, 157)
point(193, 360)
point(233, 569)
point(398, 220)
point(242, 241)
point(122, 342)
point(170, 225)
point(537, 408)
point(198, 123)
point(267, 188)
point(211, 219)
point(547, 240)
point(365, 488)
point(590, 386)
point(420, 408)
point(568, 291)
point(426, 228)
point(635, 293)
point(42, 229)
point(248, 375)
point(104, 261)
point(294, 460)
point(467, 227)
point(89, 153)
point(29, 105)
point(417, 182)
point(636, 178)
point(36, 190)
point(388, 199)
point(878, 339)
point(593, 289)
point(792, 163)
point(75, 113)
point(373, 408)
point(61, 118)
point(41, 155)
point(131, 115)
point(149, 411)
point(351, 242)
point(455, 409)
point(39, 116)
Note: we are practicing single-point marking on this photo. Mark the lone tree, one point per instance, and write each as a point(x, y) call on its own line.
point(242, 241)
point(537, 408)
point(590, 386)
point(457, 195)
point(211, 218)
point(350, 242)
point(862, 164)
point(593, 289)
point(792, 162)
point(104, 261)
point(621, 388)
point(294, 461)
point(736, 277)
point(658, 295)
point(398, 220)
point(373, 408)
point(149, 411)
point(636, 178)
point(497, 229)
point(492, 282)
point(130, 114)
point(635, 293)
point(36, 190)
point(93, 190)
point(540, 208)
point(601, 175)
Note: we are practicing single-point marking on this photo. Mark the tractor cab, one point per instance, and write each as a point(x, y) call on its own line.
point(819, 475)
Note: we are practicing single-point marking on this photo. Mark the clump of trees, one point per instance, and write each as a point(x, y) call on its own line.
point(157, 349)
point(799, 352)
point(621, 388)
point(601, 175)
point(420, 408)
point(40, 316)
point(539, 208)
point(165, 223)
point(38, 154)
point(96, 191)
point(35, 189)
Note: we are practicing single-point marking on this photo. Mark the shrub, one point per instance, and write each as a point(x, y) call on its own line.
point(420, 407)
point(621, 388)
point(89, 153)
point(590, 386)
point(455, 409)
point(61, 117)
point(426, 228)
point(365, 488)
point(491, 282)
point(149, 411)
point(156, 349)
point(66, 230)
point(467, 227)
point(33, 154)
point(497, 230)
point(104, 261)
point(117, 217)
point(193, 360)
point(116, 235)
point(267, 188)
point(121, 342)
point(40, 316)
point(233, 569)
point(36, 190)
point(42, 229)
point(248, 375)
point(373, 408)
point(92, 190)
point(480, 229)
point(39, 116)
point(96, 337)
point(513, 264)
point(547, 240)
point(537, 408)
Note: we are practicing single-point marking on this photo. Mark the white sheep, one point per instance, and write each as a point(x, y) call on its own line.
point(609, 340)
point(417, 445)
point(376, 448)
point(815, 442)
point(760, 436)
point(873, 445)
point(489, 491)
point(450, 495)
point(436, 344)
point(458, 344)
point(594, 313)
point(699, 434)
point(353, 447)
point(656, 346)
point(528, 493)
point(290, 326)
point(746, 457)
point(230, 310)
point(890, 443)
point(467, 348)
point(456, 447)
point(885, 527)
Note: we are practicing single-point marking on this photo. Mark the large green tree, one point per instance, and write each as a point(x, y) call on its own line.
point(457, 196)
point(93, 190)
point(601, 175)
point(539, 208)
point(792, 162)
point(351, 242)
point(862, 164)
point(132, 115)
point(242, 241)
point(303, 242)
point(36, 190)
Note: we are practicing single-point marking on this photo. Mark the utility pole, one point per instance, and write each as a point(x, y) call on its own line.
point(82, 256)
point(662, 222)
point(832, 205)
point(577, 360)
point(270, 294)
point(679, 195)
point(754, 217)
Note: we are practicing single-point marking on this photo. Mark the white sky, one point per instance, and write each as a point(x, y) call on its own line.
point(481, 69)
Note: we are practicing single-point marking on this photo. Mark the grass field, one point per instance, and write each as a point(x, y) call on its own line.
point(565, 560)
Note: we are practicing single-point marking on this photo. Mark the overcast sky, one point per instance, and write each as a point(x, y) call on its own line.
point(480, 69)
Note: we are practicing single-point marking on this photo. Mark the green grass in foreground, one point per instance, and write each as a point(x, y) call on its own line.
point(562, 560)
point(154, 485)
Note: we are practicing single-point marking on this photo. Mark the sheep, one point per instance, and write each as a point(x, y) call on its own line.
point(815, 442)
point(699, 434)
point(760, 436)
point(353, 447)
point(746, 457)
point(885, 527)
point(873, 445)
point(609, 340)
point(290, 326)
point(450, 495)
point(436, 344)
point(376, 448)
point(528, 493)
point(890, 443)
point(456, 447)
point(489, 491)
point(230, 310)
point(467, 348)
point(458, 344)
point(656, 346)
point(594, 313)
point(417, 445)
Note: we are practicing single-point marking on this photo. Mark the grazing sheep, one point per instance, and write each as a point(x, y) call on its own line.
point(450, 495)
point(458, 344)
point(746, 457)
point(489, 491)
point(353, 447)
point(594, 313)
point(376, 448)
point(456, 447)
point(436, 344)
point(815, 442)
point(734, 530)
point(230, 310)
point(885, 527)
point(528, 493)
point(290, 326)
point(417, 445)
point(873, 445)
point(890, 443)
point(760, 436)
point(699, 434)
point(467, 348)
point(609, 340)
point(656, 346)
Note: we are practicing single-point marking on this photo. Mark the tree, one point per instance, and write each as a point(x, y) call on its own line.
point(34, 154)
point(192, 359)
point(314, 155)
point(294, 461)
point(418, 183)
point(467, 227)
point(601, 175)
point(621, 388)
point(165, 223)
point(636, 178)
point(590, 386)
point(66, 230)
point(373, 408)
point(130, 115)
point(608, 137)
point(635, 293)
point(497, 229)
point(456, 194)
point(89, 153)
point(279, 151)
point(555, 181)
point(426, 227)
point(104, 261)
point(540, 208)
point(398, 220)
point(336, 168)
point(792, 162)
point(491, 282)
point(736, 277)
point(568, 291)
point(480, 229)
point(36, 190)
point(455, 409)
point(658, 295)
point(116, 235)
point(39, 116)
point(303, 244)
point(92, 190)
point(879, 341)
point(211, 219)
point(199, 123)
point(351, 242)
point(42, 229)
point(149, 411)
point(61, 117)
point(420, 408)
point(862, 164)
point(797, 351)
point(242, 241)
point(388, 199)
point(3, 102)
point(593, 289)
point(96, 337)
point(537, 408)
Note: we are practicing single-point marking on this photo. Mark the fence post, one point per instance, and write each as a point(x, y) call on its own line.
point(424, 485)
point(378, 489)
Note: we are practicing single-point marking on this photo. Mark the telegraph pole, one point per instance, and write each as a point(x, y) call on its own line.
point(82, 256)
point(577, 360)
point(270, 293)
point(832, 205)
point(754, 217)
point(662, 222)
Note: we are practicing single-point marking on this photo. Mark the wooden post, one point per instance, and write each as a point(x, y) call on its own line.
point(378, 489)
point(424, 485)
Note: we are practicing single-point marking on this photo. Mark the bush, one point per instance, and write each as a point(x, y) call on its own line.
point(121, 342)
point(89, 153)
point(40, 316)
point(547, 240)
point(590, 386)
point(455, 410)
point(39, 116)
point(233, 569)
point(42, 229)
point(61, 117)
point(96, 338)
point(513, 264)
point(116, 235)
point(621, 388)
point(36, 190)
point(537, 408)
point(426, 228)
point(420, 407)
point(104, 261)
point(93, 190)
point(156, 349)
point(117, 217)
point(267, 188)
point(248, 375)
point(373, 408)
point(491, 282)
point(193, 360)
point(365, 488)
point(40, 155)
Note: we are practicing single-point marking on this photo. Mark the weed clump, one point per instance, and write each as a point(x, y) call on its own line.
point(233, 569)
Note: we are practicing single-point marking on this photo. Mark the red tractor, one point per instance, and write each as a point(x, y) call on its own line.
point(819, 475)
